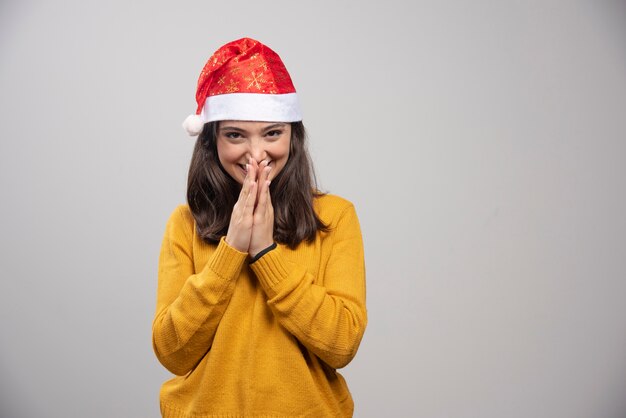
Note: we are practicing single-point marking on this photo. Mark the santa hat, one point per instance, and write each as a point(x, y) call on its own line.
point(244, 80)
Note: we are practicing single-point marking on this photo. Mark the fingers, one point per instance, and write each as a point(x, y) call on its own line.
point(250, 178)
point(264, 173)
point(249, 203)
point(263, 228)
point(264, 198)
point(245, 187)
point(247, 195)
point(263, 192)
point(270, 207)
point(242, 217)
point(255, 189)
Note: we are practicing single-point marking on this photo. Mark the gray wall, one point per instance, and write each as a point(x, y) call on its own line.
point(483, 144)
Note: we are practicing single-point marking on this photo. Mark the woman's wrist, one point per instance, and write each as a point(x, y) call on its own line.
point(261, 253)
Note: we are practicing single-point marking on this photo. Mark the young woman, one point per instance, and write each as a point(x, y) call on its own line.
point(261, 279)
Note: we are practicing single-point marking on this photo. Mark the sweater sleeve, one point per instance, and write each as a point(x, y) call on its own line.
point(330, 318)
point(190, 306)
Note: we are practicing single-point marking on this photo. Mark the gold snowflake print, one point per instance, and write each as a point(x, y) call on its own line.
point(255, 80)
point(232, 87)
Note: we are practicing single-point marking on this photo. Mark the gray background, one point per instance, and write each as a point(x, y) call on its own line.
point(482, 143)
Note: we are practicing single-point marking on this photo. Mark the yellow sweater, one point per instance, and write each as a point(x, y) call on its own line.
point(261, 339)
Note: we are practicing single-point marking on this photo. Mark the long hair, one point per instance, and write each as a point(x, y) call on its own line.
point(212, 192)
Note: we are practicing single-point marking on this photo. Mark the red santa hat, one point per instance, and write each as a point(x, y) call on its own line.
point(244, 80)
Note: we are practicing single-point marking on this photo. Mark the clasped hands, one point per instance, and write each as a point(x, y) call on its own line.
point(251, 227)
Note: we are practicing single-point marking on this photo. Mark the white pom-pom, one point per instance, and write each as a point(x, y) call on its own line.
point(193, 125)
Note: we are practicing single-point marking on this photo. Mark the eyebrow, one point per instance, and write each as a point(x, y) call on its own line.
point(234, 128)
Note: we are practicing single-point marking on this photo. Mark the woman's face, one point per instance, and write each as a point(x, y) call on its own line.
point(238, 141)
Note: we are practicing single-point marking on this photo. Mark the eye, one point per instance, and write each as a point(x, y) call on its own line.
point(275, 133)
point(232, 135)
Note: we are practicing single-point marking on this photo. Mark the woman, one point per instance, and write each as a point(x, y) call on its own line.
point(261, 291)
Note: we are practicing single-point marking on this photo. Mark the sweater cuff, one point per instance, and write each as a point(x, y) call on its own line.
point(226, 261)
point(271, 270)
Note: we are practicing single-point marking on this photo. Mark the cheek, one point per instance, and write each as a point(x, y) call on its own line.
point(281, 150)
point(281, 153)
point(227, 153)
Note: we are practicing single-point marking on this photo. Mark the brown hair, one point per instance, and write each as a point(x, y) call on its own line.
point(212, 192)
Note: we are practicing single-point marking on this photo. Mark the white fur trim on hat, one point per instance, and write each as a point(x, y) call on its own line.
point(245, 106)
point(252, 106)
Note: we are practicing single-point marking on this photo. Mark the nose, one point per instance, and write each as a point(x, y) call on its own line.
point(257, 150)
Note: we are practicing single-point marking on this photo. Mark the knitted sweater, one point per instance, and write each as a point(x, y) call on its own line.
point(261, 339)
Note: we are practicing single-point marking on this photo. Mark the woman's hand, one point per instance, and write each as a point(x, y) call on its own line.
point(241, 220)
point(263, 219)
